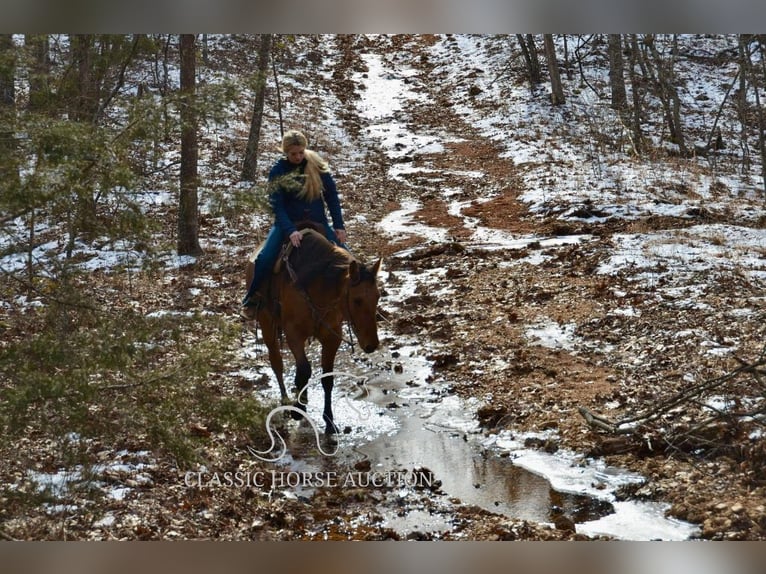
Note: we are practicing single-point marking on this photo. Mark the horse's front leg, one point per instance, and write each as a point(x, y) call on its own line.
point(329, 349)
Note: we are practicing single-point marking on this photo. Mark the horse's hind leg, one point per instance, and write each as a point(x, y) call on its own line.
point(270, 337)
point(329, 349)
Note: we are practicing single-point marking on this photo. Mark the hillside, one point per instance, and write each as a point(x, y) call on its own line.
point(541, 271)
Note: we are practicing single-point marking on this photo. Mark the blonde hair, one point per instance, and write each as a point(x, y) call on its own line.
point(315, 165)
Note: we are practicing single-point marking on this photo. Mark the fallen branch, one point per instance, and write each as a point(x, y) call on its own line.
point(713, 432)
point(597, 421)
point(140, 383)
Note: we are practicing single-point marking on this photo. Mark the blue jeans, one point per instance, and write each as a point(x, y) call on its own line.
point(267, 256)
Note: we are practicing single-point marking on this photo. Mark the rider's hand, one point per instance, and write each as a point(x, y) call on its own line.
point(295, 238)
point(341, 235)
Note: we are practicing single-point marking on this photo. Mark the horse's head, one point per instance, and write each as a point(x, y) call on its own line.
point(362, 303)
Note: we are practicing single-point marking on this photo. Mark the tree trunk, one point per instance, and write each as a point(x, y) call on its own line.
point(279, 98)
point(617, 73)
point(7, 71)
point(529, 51)
point(250, 165)
point(557, 90)
point(749, 79)
point(742, 106)
point(39, 73)
point(188, 221)
point(635, 88)
point(9, 173)
point(761, 119)
point(82, 108)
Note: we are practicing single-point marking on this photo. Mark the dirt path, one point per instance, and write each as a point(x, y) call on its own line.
point(482, 331)
point(491, 305)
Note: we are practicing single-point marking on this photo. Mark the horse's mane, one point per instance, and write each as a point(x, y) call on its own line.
point(317, 257)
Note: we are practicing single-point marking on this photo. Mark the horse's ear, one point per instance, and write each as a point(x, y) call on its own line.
point(354, 272)
point(376, 267)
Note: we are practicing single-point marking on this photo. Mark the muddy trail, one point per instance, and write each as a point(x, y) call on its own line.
point(413, 463)
point(471, 383)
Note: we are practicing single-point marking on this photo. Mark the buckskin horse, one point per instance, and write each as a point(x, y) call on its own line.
point(312, 292)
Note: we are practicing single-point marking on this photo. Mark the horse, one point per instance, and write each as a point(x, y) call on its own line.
point(312, 292)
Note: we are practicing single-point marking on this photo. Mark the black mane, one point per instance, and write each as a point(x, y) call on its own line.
point(317, 257)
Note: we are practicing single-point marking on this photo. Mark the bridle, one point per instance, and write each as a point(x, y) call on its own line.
point(319, 314)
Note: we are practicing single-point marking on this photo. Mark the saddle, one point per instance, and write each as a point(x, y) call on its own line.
point(287, 247)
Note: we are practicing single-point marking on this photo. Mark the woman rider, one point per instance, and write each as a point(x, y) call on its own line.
point(300, 185)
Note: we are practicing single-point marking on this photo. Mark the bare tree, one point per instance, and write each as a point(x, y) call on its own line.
point(251, 153)
point(749, 80)
point(617, 73)
point(761, 119)
point(188, 220)
point(557, 90)
point(279, 96)
point(529, 51)
point(635, 89)
point(662, 75)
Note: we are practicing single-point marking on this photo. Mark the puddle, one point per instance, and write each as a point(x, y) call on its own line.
point(400, 422)
point(439, 434)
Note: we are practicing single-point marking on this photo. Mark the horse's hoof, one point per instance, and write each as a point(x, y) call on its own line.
point(298, 416)
point(331, 438)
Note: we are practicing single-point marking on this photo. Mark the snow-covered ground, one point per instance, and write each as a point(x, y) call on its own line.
point(563, 168)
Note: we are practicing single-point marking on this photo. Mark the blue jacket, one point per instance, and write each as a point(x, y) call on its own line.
point(285, 181)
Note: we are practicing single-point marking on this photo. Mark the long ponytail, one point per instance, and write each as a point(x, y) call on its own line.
point(315, 166)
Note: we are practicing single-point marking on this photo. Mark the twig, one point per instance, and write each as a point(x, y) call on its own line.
point(692, 393)
point(156, 379)
point(595, 420)
point(32, 288)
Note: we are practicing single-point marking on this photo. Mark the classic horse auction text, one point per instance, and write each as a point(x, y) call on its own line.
point(274, 479)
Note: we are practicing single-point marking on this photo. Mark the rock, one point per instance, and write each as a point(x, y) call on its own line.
point(712, 527)
point(564, 523)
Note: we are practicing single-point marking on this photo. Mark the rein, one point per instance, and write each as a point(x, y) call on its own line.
point(316, 312)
